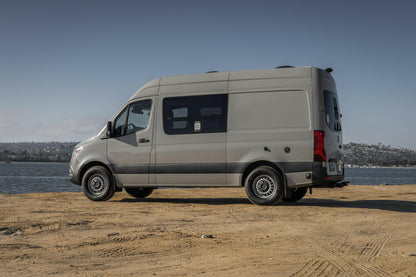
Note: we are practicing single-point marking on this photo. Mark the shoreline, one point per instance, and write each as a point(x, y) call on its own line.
point(389, 167)
point(349, 167)
point(200, 188)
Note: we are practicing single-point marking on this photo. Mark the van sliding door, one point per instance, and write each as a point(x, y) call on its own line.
point(190, 147)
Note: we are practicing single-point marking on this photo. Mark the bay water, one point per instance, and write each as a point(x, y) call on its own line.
point(17, 178)
point(32, 177)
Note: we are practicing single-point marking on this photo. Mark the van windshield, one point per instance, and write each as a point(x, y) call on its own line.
point(332, 112)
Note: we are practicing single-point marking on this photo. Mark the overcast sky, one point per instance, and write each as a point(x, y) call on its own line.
point(67, 66)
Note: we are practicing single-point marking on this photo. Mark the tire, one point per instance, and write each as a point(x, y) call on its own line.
point(97, 184)
point(139, 192)
point(297, 194)
point(264, 186)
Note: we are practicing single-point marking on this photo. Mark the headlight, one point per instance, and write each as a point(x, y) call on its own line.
point(76, 151)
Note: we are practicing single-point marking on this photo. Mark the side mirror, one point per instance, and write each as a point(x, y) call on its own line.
point(109, 129)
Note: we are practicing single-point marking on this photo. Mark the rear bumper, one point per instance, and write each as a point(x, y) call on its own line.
point(320, 175)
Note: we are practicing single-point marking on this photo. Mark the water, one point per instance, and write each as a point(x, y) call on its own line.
point(19, 178)
point(377, 176)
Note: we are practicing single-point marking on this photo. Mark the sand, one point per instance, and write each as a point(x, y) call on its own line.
point(350, 231)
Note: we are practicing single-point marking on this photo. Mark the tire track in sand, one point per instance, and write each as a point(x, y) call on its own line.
point(340, 263)
point(374, 247)
point(316, 268)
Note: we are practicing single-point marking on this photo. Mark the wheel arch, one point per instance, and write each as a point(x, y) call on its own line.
point(90, 164)
point(250, 167)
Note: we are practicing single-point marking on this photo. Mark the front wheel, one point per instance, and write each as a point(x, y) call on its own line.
point(139, 192)
point(297, 194)
point(97, 184)
point(264, 186)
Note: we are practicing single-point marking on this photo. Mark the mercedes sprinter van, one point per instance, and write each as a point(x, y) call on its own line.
point(275, 132)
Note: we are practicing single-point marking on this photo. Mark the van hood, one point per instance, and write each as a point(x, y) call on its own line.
point(90, 139)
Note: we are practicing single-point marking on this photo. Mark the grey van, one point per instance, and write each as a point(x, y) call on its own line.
point(275, 132)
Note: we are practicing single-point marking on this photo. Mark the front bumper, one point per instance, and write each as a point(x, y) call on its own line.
point(73, 175)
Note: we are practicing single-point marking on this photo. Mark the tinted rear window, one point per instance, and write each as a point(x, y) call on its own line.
point(332, 112)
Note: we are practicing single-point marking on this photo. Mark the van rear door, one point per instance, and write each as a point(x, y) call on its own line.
point(333, 134)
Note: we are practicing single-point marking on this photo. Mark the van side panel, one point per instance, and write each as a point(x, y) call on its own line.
point(190, 160)
point(273, 126)
point(269, 110)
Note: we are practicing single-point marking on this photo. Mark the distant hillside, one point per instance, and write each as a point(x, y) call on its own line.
point(355, 153)
point(378, 155)
point(36, 151)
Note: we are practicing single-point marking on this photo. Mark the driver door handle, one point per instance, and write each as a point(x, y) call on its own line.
point(144, 140)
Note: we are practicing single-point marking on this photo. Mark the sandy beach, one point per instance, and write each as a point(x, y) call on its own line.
point(350, 231)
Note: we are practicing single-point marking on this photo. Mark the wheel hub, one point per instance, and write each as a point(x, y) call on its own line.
point(97, 184)
point(265, 186)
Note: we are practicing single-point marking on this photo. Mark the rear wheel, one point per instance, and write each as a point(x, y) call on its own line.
point(139, 192)
point(264, 186)
point(97, 184)
point(297, 194)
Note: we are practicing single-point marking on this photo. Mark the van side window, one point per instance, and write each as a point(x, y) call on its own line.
point(195, 114)
point(139, 114)
point(120, 123)
point(133, 118)
point(332, 114)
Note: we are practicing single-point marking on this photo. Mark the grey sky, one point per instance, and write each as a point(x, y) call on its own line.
point(67, 66)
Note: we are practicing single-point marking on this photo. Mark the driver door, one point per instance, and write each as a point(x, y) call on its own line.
point(130, 147)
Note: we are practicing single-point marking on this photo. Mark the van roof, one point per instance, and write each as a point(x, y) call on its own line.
point(285, 72)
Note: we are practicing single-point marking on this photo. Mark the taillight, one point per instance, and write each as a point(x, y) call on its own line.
point(319, 153)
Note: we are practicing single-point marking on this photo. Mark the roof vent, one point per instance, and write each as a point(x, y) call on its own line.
point(212, 71)
point(329, 70)
point(285, 66)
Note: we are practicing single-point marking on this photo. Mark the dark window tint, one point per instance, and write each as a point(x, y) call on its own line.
point(332, 113)
point(133, 118)
point(195, 114)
